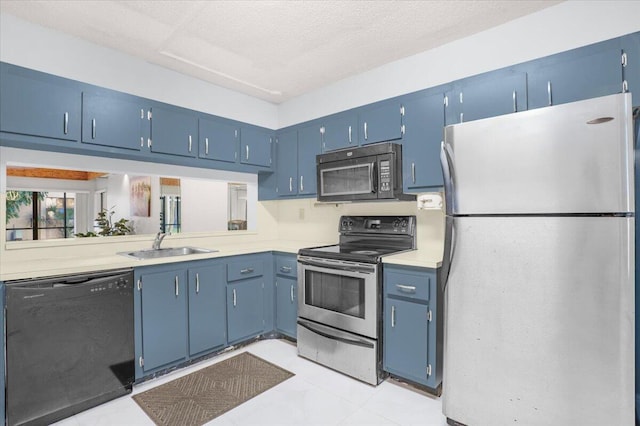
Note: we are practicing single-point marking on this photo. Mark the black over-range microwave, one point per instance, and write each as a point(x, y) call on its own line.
point(367, 173)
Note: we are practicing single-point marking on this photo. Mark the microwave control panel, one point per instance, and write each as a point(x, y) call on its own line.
point(385, 177)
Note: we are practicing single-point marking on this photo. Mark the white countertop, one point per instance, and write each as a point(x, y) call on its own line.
point(42, 267)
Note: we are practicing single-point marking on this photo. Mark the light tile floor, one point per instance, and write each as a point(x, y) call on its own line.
point(314, 396)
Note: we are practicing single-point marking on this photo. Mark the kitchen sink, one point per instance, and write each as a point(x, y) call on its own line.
point(165, 252)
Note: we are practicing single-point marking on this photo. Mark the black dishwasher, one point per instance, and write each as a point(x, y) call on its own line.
point(69, 344)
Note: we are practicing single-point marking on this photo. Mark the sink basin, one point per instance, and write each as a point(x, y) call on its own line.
point(165, 252)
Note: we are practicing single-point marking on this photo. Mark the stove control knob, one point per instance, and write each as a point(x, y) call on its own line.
point(344, 223)
point(396, 223)
point(403, 223)
point(350, 223)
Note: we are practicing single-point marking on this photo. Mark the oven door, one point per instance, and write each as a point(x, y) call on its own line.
point(348, 180)
point(339, 294)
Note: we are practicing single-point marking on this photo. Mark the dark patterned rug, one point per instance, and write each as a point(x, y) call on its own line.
point(201, 396)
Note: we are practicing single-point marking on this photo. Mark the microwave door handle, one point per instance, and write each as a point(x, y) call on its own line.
point(373, 181)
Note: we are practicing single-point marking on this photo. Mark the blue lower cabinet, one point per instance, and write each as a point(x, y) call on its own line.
point(207, 309)
point(163, 306)
point(412, 339)
point(245, 309)
point(286, 281)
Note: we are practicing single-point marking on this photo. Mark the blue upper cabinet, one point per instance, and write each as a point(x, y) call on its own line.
point(424, 121)
point(256, 146)
point(340, 131)
point(38, 104)
point(309, 144)
point(296, 152)
point(174, 131)
point(380, 122)
point(631, 65)
point(218, 139)
point(487, 95)
point(287, 163)
point(583, 73)
point(114, 119)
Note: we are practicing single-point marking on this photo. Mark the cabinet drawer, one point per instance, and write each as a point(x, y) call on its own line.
point(287, 266)
point(409, 284)
point(244, 269)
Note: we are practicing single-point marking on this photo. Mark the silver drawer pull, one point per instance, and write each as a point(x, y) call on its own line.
point(292, 293)
point(246, 271)
point(197, 283)
point(285, 268)
point(234, 297)
point(177, 284)
point(393, 316)
point(406, 288)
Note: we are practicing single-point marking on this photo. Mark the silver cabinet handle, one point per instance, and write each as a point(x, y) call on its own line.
point(246, 271)
point(393, 316)
point(413, 172)
point(406, 288)
point(234, 297)
point(365, 131)
point(141, 142)
point(290, 184)
point(197, 283)
point(285, 269)
point(247, 149)
point(93, 128)
point(66, 123)
point(461, 117)
point(301, 183)
point(141, 114)
point(350, 133)
point(515, 102)
point(549, 92)
point(190, 143)
point(291, 293)
point(177, 284)
point(206, 146)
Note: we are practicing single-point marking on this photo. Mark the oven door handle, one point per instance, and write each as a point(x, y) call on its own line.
point(335, 267)
point(340, 339)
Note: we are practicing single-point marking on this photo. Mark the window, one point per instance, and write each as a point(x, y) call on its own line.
point(40, 215)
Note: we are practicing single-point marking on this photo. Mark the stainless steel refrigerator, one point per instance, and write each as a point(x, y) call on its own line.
point(539, 267)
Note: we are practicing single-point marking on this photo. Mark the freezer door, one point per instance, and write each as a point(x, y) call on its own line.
point(571, 158)
point(539, 323)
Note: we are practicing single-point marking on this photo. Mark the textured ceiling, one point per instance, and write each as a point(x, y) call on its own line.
point(273, 50)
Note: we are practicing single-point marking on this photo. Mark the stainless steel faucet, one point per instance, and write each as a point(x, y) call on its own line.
point(158, 240)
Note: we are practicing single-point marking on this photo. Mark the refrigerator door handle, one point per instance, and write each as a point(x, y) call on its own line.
point(447, 173)
point(449, 250)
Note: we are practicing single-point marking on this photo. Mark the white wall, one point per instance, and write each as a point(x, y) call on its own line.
point(43, 49)
point(558, 28)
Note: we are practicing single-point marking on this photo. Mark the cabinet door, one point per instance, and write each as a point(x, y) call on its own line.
point(255, 146)
point(631, 69)
point(340, 131)
point(406, 339)
point(114, 119)
point(287, 163)
point(245, 309)
point(207, 308)
point(38, 104)
point(382, 122)
point(309, 144)
point(582, 74)
point(174, 131)
point(497, 93)
point(218, 140)
point(286, 305)
point(164, 318)
point(424, 122)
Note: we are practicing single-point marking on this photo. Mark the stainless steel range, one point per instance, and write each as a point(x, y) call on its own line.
point(340, 294)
